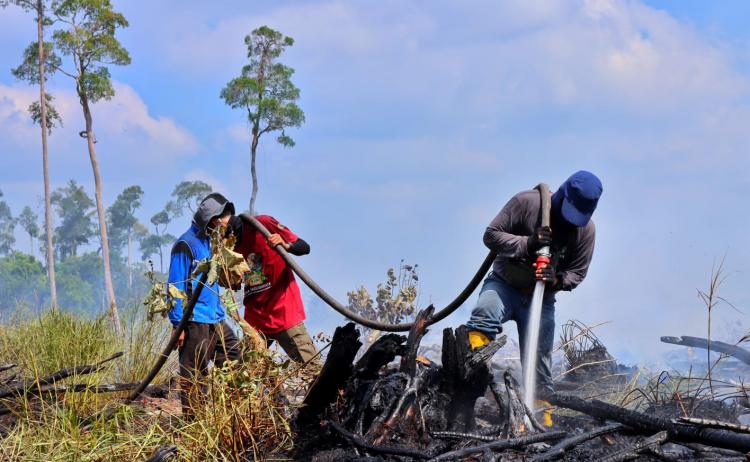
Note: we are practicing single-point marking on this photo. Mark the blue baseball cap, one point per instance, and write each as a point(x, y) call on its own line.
point(580, 195)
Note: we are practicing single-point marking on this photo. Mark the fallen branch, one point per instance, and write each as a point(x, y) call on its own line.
point(500, 445)
point(163, 453)
point(464, 436)
point(360, 442)
point(715, 424)
point(565, 445)
point(6, 367)
point(640, 446)
point(82, 387)
point(646, 423)
point(27, 387)
point(701, 449)
point(721, 347)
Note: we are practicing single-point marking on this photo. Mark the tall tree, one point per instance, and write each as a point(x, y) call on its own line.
point(123, 221)
point(74, 207)
point(28, 220)
point(7, 226)
point(89, 42)
point(153, 244)
point(264, 89)
point(33, 69)
point(187, 195)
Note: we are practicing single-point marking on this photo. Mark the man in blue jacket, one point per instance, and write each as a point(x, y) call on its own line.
point(206, 337)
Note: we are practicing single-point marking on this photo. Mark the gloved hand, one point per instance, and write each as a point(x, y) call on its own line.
point(547, 274)
point(542, 237)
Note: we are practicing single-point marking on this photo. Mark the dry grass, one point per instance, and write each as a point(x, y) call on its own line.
point(243, 417)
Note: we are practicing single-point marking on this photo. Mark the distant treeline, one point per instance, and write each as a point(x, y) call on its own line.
point(78, 259)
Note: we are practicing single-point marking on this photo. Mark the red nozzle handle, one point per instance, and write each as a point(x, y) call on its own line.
point(541, 260)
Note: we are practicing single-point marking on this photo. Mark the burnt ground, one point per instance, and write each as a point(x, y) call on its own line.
point(391, 405)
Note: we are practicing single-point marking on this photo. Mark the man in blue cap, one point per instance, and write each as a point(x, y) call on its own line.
point(516, 234)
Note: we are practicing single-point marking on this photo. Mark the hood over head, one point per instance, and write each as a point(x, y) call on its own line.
point(213, 205)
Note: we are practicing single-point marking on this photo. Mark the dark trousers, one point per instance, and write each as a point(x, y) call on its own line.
point(203, 343)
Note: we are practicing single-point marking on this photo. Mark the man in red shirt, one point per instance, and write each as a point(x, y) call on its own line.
point(272, 299)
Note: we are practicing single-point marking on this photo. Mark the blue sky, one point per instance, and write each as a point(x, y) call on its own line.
point(423, 118)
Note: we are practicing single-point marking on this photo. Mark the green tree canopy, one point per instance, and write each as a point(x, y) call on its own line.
point(23, 279)
point(29, 222)
point(265, 91)
point(89, 41)
point(121, 216)
point(75, 209)
point(186, 195)
point(7, 227)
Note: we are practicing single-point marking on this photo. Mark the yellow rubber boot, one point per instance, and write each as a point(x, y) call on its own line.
point(478, 339)
point(546, 411)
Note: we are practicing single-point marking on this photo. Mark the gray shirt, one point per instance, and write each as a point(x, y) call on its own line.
point(509, 232)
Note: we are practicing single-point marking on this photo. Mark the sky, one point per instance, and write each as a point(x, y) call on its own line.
point(422, 119)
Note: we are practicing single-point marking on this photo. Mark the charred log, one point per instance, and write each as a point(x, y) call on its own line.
point(383, 351)
point(46, 390)
point(26, 387)
point(649, 424)
point(465, 376)
point(409, 360)
point(333, 376)
point(405, 414)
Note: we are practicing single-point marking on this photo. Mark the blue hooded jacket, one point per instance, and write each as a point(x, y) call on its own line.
point(195, 245)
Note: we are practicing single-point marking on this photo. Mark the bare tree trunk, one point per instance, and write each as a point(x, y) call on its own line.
point(253, 174)
point(130, 269)
point(109, 287)
point(45, 160)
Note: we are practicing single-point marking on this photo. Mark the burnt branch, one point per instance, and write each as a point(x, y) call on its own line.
point(332, 378)
point(389, 450)
point(27, 387)
point(720, 347)
point(565, 445)
point(419, 328)
point(715, 424)
point(649, 424)
point(500, 445)
point(163, 453)
point(633, 451)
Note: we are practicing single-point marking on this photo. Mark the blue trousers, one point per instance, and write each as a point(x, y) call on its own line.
point(498, 303)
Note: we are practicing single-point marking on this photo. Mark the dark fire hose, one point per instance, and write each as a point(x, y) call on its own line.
point(403, 327)
point(332, 302)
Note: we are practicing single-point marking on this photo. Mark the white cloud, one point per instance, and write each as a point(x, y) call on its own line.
point(201, 175)
point(123, 125)
point(127, 115)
